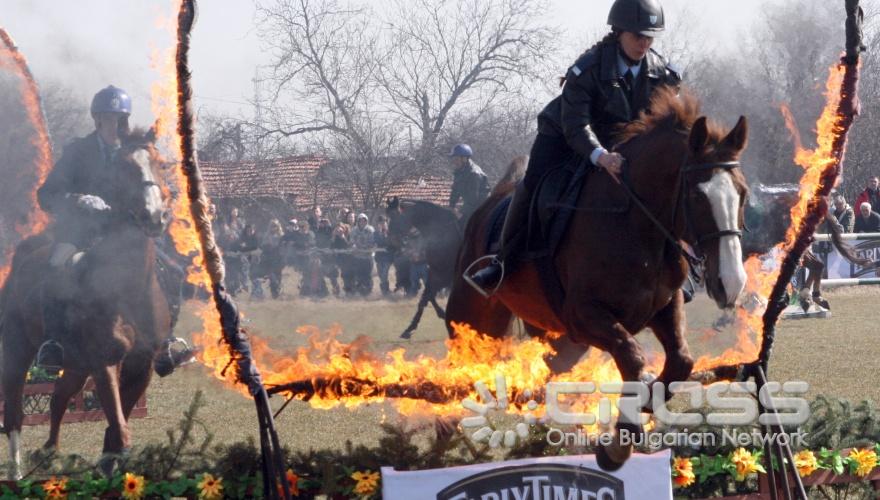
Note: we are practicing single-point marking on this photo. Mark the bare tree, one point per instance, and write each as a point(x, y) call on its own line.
point(446, 54)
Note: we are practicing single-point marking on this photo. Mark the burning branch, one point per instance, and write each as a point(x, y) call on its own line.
point(235, 338)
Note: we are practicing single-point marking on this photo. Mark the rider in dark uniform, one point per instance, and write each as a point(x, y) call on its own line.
point(79, 194)
point(606, 88)
point(469, 184)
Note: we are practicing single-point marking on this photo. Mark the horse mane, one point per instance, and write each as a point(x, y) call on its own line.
point(139, 137)
point(669, 110)
point(514, 173)
point(429, 206)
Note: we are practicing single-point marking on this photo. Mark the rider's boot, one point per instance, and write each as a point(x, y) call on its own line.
point(50, 356)
point(487, 280)
point(817, 298)
point(168, 358)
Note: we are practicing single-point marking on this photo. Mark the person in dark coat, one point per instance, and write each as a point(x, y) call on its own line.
point(868, 220)
point(469, 183)
point(607, 87)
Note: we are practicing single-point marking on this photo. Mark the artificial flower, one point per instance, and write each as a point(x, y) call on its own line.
point(367, 482)
point(210, 487)
point(745, 463)
point(805, 462)
point(864, 460)
point(683, 472)
point(132, 486)
point(55, 489)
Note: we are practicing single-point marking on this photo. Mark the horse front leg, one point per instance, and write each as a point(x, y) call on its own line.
point(423, 302)
point(669, 326)
point(117, 437)
point(594, 324)
point(68, 384)
point(136, 374)
point(17, 357)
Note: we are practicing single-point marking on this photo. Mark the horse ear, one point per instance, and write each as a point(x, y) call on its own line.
point(699, 135)
point(739, 136)
point(152, 133)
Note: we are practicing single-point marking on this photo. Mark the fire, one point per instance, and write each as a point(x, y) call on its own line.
point(12, 60)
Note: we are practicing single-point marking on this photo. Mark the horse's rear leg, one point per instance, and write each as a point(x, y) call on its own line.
point(17, 357)
point(668, 326)
point(68, 384)
point(426, 296)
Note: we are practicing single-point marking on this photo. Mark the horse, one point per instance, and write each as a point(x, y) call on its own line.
point(442, 233)
point(116, 318)
point(622, 272)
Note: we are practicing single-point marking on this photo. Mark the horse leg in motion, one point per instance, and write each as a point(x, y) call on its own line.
point(568, 352)
point(136, 374)
point(429, 295)
point(68, 385)
point(117, 437)
point(668, 326)
point(17, 356)
point(599, 325)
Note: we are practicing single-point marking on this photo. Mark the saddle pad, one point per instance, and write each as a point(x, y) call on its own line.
point(496, 224)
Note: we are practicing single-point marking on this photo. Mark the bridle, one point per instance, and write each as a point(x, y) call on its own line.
point(697, 258)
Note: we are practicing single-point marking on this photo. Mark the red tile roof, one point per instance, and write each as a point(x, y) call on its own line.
point(298, 180)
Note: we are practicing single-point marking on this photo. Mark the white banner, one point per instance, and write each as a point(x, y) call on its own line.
point(546, 478)
point(866, 246)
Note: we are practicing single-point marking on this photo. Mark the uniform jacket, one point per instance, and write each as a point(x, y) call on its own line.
point(82, 169)
point(594, 103)
point(471, 186)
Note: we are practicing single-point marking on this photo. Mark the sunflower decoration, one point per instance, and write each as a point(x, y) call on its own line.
point(683, 472)
point(806, 462)
point(210, 487)
point(367, 482)
point(55, 489)
point(745, 463)
point(132, 486)
point(862, 462)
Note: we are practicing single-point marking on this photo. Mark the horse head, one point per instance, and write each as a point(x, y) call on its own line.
point(141, 194)
point(399, 224)
point(714, 193)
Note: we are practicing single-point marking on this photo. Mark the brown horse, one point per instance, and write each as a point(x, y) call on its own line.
point(116, 318)
point(623, 272)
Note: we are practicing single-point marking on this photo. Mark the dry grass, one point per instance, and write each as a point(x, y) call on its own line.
point(837, 356)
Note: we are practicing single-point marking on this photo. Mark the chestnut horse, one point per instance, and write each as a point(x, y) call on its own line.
point(623, 272)
point(115, 321)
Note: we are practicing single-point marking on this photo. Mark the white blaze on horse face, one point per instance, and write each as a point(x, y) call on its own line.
point(725, 199)
point(152, 192)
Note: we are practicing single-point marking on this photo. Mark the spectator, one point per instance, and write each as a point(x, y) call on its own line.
point(272, 260)
point(384, 256)
point(312, 283)
point(315, 217)
point(364, 241)
point(236, 222)
point(292, 244)
point(349, 219)
point(329, 267)
point(868, 221)
point(871, 194)
point(341, 243)
point(843, 213)
point(246, 246)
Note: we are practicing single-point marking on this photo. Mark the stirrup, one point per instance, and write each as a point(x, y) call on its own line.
point(467, 275)
point(50, 357)
point(170, 359)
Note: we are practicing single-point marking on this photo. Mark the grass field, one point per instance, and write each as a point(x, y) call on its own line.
point(839, 356)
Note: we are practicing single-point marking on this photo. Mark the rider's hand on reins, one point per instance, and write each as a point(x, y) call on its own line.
point(613, 164)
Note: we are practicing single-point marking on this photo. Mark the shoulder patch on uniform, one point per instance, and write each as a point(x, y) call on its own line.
point(585, 61)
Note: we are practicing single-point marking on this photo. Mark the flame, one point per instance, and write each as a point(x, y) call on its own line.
point(12, 60)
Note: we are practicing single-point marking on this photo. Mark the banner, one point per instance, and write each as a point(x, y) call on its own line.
point(839, 268)
point(545, 478)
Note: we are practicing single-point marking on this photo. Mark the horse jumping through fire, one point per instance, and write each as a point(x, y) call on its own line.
point(623, 272)
point(118, 315)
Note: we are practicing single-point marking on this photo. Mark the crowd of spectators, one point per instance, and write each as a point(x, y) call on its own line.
point(342, 255)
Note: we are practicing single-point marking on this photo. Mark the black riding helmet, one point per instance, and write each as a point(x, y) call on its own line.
point(644, 17)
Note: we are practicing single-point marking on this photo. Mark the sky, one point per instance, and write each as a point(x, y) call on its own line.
point(88, 44)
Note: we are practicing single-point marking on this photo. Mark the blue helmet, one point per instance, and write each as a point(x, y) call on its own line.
point(111, 100)
point(462, 150)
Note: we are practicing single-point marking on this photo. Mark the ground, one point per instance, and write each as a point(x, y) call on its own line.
point(836, 356)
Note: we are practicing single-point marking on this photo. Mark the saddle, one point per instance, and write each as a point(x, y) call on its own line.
point(553, 204)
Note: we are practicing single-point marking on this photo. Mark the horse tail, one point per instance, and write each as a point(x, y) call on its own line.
point(514, 173)
point(843, 248)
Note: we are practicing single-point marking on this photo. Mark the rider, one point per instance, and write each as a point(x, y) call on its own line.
point(469, 184)
point(607, 87)
point(79, 193)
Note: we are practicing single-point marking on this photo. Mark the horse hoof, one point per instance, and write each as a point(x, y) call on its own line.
point(406, 335)
point(604, 461)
